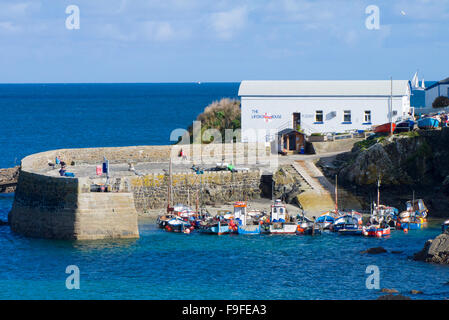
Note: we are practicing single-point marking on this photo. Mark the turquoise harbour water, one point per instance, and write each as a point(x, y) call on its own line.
point(162, 265)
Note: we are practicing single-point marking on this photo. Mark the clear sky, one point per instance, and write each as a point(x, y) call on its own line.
point(221, 40)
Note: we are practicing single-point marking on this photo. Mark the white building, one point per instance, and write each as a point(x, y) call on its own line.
point(319, 106)
point(440, 88)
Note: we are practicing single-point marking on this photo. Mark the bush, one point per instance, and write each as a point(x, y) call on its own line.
point(220, 115)
point(440, 102)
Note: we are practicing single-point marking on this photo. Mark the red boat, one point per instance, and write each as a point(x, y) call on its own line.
point(376, 231)
point(385, 128)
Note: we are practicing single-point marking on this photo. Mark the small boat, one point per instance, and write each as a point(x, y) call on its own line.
point(379, 226)
point(163, 219)
point(177, 224)
point(417, 207)
point(281, 223)
point(215, 227)
point(249, 229)
point(350, 224)
point(385, 128)
point(378, 230)
point(405, 126)
point(307, 226)
point(428, 123)
point(326, 220)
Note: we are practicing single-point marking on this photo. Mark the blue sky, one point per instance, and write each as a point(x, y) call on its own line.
point(204, 40)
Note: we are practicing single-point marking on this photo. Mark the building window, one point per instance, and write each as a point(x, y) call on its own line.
point(319, 116)
point(367, 116)
point(347, 116)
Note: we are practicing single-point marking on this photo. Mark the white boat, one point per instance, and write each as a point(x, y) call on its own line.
point(280, 220)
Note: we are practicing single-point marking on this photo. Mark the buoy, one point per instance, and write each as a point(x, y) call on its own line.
point(365, 233)
point(379, 234)
point(405, 230)
point(187, 231)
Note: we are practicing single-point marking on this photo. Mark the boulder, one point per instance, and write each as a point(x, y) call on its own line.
point(375, 250)
point(435, 251)
point(386, 290)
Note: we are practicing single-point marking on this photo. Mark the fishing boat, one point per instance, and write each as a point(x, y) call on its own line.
point(307, 226)
point(378, 224)
point(379, 230)
point(326, 220)
point(415, 215)
point(242, 223)
point(405, 126)
point(162, 220)
point(281, 223)
point(177, 224)
point(428, 123)
point(350, 224)
point(214, 227)
point(385, 128)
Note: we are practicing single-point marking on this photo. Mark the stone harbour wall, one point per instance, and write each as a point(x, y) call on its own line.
point(64, 208)
point(151, 191)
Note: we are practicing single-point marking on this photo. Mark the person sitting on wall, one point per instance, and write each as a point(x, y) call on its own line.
point(63, 172)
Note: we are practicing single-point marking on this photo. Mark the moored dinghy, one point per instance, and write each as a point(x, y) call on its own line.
point(307, 226)
point(428, 123)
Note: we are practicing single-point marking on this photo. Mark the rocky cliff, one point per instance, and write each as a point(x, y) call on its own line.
point(416, 161)
point(436, 250)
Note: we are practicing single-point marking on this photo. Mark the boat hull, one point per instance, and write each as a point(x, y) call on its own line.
point(283, 228)
point(249, 229)
point(385, 128)
point(377, 232)
point(428, 123)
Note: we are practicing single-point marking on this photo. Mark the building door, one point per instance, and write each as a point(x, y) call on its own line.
point(296, 121)
point(292, 142)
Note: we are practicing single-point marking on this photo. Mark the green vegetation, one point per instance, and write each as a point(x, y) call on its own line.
point(440, 102)
point(410, 134)
point(219, 115)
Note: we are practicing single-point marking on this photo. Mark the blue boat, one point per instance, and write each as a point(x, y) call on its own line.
point(348, 224)
point(249, 229)
point(428, 123)
point(326, 220)
point(217, 228)
point(411, 225)
point(405, 126)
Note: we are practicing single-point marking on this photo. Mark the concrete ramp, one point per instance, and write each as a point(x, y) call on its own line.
point(321, 196)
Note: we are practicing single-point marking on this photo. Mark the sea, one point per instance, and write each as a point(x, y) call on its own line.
point(162, 265)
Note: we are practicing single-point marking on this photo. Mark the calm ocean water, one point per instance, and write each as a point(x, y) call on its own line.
point(35, 118)
point(163, 265)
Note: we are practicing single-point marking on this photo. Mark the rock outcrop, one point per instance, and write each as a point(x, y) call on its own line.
point(436, 250)
point(8, 179)
point(412, 162)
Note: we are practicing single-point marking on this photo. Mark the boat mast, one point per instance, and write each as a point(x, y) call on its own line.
point(169, 196)
point(391, 106)
point(336, 193)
